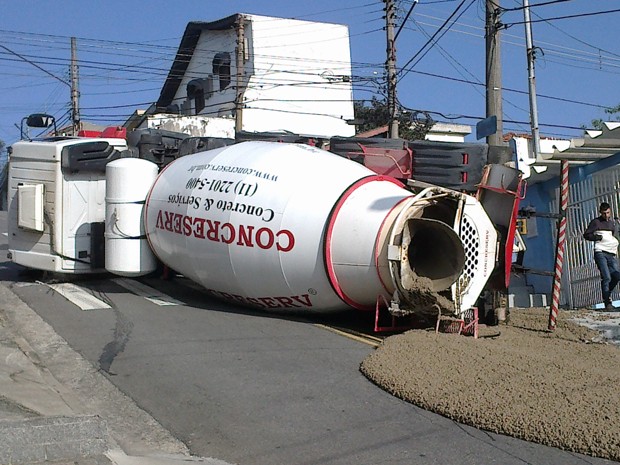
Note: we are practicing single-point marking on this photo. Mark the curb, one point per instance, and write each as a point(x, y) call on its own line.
point(52, 439)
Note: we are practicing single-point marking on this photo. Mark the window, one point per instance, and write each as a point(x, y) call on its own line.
point(221, 68)
point(196, 92)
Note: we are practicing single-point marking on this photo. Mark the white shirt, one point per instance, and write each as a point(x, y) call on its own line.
point(608, 244)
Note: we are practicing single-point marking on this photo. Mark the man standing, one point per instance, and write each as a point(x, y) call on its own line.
point(602, 231)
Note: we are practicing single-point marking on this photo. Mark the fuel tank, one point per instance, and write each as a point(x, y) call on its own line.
point(276, 225)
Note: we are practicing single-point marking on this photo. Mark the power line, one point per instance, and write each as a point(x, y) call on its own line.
point(34, 64)
point(533, 5)
point(105, 65)
point(478, 118)
point(576, 38)
point(589, 64)
point(152, 71)
point(415, 2)
point(354, 64)
point(209, 51)
point(580, 15)
point(438, 1)
point(511, 90)
point(432, 39)
point(335, 11)
point(85, 42)
point(436, 33)
point(540, 42)
point(453, 61)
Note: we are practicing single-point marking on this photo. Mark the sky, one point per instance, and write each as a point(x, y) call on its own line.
point(125, 49)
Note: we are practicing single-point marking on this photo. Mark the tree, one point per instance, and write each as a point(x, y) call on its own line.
point(411, 125)
point(598, 123)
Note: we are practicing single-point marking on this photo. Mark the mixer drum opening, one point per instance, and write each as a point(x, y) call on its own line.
point(434, 251)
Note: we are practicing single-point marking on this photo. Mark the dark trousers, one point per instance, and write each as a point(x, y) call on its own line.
point(607, 264)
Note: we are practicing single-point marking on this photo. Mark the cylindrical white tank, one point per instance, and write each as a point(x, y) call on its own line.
point(128, 181)
point(287, 226)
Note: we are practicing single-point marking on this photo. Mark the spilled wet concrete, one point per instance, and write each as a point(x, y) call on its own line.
point(558, 388)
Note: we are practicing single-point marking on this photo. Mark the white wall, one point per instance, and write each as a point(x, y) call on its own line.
point(294, 76)
point(447, 132)
point(524, 152)
point(201, 66)
point(193, 125)
point(298, 69)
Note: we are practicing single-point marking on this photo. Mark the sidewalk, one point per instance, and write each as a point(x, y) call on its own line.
point(56, 408)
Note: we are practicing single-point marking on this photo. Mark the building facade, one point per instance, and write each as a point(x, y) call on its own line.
point(265, 74)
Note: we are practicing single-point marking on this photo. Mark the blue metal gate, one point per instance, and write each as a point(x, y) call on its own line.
point(580, 278)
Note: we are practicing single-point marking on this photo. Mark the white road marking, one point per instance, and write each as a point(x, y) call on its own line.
point(142, 290)
point(78, 296)
point(25, 284)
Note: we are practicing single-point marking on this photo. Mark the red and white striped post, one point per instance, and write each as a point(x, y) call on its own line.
point(561, 241)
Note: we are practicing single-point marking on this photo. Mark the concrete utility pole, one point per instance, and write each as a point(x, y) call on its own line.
point(75, 93)
point(240, 65)
point(390, 64)
point(494, 71)
point(531, 56)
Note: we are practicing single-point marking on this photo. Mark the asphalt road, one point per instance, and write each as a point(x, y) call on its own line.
point(255, 388)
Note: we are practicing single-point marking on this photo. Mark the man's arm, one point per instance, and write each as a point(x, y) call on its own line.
point(591, 232)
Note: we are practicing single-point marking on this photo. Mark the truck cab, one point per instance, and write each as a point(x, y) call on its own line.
point(56, 202)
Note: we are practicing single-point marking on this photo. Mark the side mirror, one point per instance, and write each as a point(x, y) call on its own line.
point(38, 120)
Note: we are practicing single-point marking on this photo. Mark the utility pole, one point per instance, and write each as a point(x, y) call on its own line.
point(240, 64)
point(531, 56)
point(494, 71)
point(75, 93)
point(390, 18)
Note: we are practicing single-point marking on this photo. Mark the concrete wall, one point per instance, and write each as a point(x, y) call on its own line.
point(299, 68)
point(193, 125)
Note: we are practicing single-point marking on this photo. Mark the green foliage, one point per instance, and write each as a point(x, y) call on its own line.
point(598, 123)
point(376, 115)
point(373, 115)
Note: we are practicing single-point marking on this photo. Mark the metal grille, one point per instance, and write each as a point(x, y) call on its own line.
point(581, 279)
point(471, 245)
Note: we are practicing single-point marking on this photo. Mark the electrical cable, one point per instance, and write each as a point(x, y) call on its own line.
point(512, 90)
point(124, 68)
point(580, 15)
point(478, 118)
point(453, 62)
point(35, 65)
point(431, 39)
point(415, 2)
point(599, 49)
point(533, 5)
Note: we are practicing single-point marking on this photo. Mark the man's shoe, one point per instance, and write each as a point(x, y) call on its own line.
point(610, 308)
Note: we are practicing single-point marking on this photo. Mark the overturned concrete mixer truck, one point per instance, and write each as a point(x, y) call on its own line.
point(259, 223)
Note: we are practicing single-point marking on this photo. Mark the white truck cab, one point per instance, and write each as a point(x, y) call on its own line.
point(56, 203)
